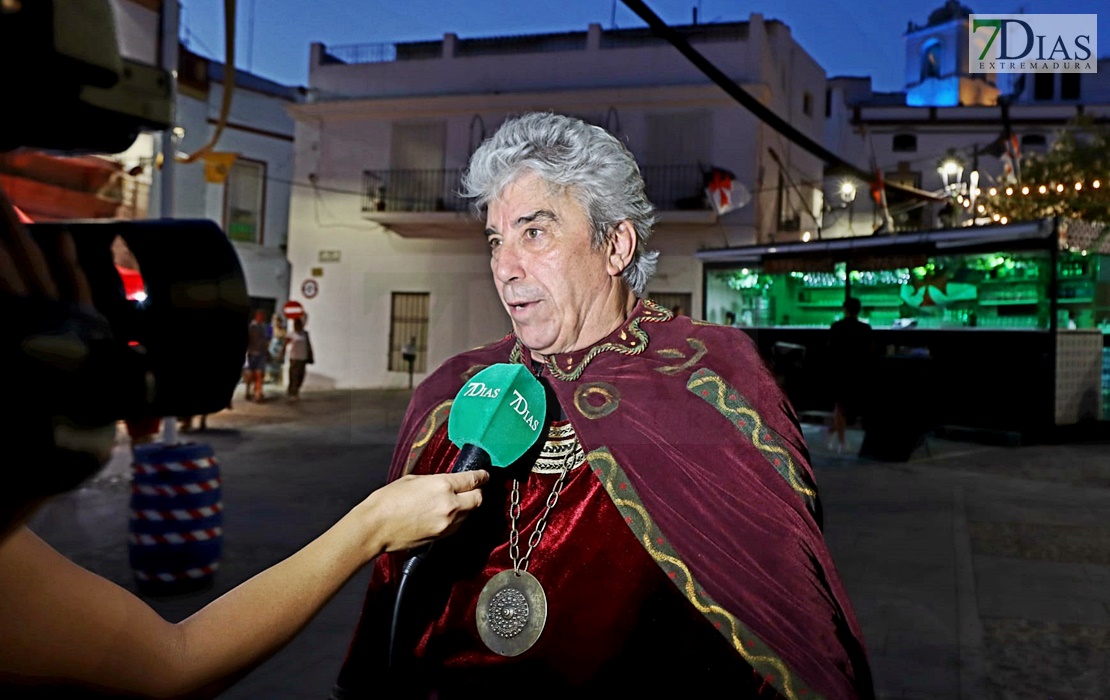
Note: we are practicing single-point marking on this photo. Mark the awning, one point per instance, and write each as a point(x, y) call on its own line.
point(851, 246)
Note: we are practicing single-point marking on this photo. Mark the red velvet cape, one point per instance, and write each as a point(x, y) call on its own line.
point(702, 454)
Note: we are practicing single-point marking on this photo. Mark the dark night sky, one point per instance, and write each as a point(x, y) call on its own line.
point(846, 38)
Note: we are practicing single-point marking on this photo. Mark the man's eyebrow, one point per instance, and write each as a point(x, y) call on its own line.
point(538, 215)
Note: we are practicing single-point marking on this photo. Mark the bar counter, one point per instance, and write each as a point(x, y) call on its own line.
point(989, 378)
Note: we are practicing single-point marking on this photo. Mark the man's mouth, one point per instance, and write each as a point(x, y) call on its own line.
point(522, 305)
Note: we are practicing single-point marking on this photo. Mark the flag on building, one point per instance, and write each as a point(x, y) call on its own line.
point(878, 188)
point(724, 191)
point(1011, 160)
point(217, 165)
point(1007, 149)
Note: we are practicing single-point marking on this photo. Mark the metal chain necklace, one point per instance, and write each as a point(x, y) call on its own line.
point(512, 607)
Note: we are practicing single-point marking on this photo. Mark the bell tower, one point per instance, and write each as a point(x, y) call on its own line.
point(937, 72)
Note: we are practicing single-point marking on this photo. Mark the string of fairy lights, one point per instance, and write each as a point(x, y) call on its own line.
point(1003, 197)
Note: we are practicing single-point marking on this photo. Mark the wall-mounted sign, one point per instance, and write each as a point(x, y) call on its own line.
point(309, 288)
point(329, 256)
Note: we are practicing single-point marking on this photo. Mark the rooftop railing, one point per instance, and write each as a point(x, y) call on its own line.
point(359, 53)
point(524, 44)
point(669, 187)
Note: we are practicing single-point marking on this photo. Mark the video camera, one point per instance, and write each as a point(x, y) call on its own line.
point(178, 348)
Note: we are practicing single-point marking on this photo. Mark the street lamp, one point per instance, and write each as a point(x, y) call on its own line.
point(951, 172)
point(847, 192)
point(848, 196)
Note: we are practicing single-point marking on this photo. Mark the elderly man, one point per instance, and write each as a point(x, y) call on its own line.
point(671, 516)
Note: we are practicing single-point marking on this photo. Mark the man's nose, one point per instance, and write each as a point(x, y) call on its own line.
point(507, 264)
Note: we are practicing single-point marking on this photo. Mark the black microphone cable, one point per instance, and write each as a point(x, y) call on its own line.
point(470, 458)
point(410, 566)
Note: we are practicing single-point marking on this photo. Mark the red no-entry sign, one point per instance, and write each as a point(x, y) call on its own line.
point(292, 310)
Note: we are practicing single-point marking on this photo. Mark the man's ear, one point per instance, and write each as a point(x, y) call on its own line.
point(621, 247)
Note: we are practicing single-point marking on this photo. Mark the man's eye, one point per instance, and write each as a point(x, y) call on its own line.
point(494, 243)
point(532, 233)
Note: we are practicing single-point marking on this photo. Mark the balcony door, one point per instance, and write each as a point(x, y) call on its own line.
point(678, 147)
point(416, 178)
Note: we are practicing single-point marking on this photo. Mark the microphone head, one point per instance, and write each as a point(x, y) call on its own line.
point(501, 410)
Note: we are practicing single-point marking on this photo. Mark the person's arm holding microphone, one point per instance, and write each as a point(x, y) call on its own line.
point(66, 626)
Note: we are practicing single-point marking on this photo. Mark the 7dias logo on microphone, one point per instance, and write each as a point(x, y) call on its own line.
point(520, 405)
point(481, 390)
point(1032, 44)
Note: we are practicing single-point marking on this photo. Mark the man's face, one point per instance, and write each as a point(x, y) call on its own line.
point(555, 286)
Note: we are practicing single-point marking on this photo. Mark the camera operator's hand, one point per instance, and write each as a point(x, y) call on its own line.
point(24, 271)
point(51, 348)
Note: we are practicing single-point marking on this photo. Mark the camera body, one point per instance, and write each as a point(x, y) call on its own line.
point(179, 349)
point(75, 371)
point(64, 84)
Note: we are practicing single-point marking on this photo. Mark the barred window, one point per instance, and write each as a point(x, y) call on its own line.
point(904, 142)
point(408, 326)
point(1044, 86)
point(1069, 86)
point(245, 201)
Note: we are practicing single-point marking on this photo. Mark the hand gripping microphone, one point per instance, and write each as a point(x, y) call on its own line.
point(495, 418)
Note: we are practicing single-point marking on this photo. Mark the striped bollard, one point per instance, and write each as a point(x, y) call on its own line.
point(176, 517)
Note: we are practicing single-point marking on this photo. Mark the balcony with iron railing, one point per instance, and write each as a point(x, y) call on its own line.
point(671, 188)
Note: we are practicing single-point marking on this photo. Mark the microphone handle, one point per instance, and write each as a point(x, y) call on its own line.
point(471, 457)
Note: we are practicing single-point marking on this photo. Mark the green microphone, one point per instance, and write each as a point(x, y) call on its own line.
point(496, 417)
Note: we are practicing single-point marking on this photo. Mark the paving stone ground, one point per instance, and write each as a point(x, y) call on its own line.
point(976, 571)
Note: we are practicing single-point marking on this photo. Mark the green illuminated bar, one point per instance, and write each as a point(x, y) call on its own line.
point(1013, 318)
point(1001, 289)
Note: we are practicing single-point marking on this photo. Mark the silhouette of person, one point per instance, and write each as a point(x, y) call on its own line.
point(850, 350)
point(258, 353)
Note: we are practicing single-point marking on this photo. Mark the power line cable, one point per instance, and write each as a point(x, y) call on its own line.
point(757, 108)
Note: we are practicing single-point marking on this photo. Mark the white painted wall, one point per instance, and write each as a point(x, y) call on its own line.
point(259, 129)
point(337, 139)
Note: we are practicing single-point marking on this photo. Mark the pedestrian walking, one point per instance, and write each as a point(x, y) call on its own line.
point(850, 354)
point(258, 353)
point(298, 348)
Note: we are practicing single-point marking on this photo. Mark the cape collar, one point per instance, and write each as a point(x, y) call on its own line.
point(628, 339)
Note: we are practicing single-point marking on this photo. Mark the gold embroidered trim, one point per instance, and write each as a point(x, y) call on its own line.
point(699, 352)
point(634, 345)
point(561, 440)
point(747, 644)
point(585, 394)
point(431, 424)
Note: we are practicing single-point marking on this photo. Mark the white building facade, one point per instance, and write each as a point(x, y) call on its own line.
point(246, 187)
point(946, 115)
point(384, 251)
